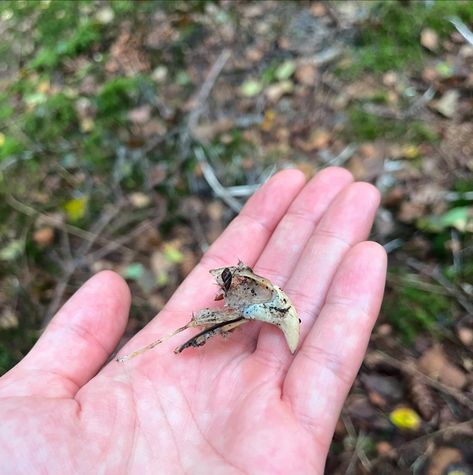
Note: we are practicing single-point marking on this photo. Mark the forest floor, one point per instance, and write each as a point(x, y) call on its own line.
point(132, 132)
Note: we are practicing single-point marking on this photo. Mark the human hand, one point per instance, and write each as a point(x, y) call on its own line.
point(242, 404)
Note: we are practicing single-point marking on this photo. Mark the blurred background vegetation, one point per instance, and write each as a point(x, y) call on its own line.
point(131, 132)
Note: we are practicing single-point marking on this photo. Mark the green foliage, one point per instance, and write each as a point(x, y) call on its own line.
point(412, 310)
point(390, 39)
point(117, 96)
point(50, 57)
point(52, 119)
point(365, 126)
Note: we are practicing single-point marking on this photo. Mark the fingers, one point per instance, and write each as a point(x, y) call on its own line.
point(324, 368)
point(79, 339)
point(244, 239)
point(346, 222)
point(283, 250)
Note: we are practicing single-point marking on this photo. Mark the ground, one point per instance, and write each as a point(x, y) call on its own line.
point(131, 133)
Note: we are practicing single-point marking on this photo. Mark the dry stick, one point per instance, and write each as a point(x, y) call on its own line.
point(71, 266)
point(453, 428)
point(59, 223)
point(411, 370)
point(446, 284)
point(213, 182)
point(119, 242)
point(358, 453)
point(200, 100)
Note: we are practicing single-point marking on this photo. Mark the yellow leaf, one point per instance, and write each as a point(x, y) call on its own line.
point(87, 124)
point(75, 208)
point(43, 87)
point(268, 120)
point(2, 139)
point(405, 418)
point(411, 151)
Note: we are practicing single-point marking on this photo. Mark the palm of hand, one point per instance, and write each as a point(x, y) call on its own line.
point(243, 404)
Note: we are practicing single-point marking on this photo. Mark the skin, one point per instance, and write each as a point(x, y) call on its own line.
point(242, 404)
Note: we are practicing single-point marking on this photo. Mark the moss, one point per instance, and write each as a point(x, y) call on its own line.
point(412, 310)
point(365, 126)
point(390, 38)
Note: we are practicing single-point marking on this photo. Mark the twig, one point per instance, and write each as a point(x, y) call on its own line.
point(446, 284)
point(339, 159)
point(200, 100)
point(213, 182)
point(410, 369)
point(453, 428)
point(57, 222)
point(358, 451)
point(385, 112)
point(462, 29)
point(118, 243)
point(71, 265)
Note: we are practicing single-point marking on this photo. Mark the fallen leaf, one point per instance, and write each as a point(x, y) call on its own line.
point(405, 418)
point(429, 39)
point(285, 70)
point(447, 104)
point(434, 363)
point(268, 120)
point(159, 74)
point(105, 15)
point(274, 92)
point(442, 458)
point(410, 211)
point(465, 335)
point(75, 208)
point(140, 115)
point(460, 218)
point(139, 199)
point(306, 74)
point(87, 125)
point(251, 88)
point(172, 253)
point(411, 151)
point(8, 319)
point(12, 250)
point(383, 448)
point(44, 237)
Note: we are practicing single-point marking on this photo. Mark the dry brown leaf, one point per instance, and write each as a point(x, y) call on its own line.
point(447, 105)
point(410, 211)
point(436, 364)
point(442, 458)
point(44, 237)
point(429, 39)
point(8, 319)
point(465, 335)
point(422, 397)
point(140, 115)
point(383, 448)
point(306, 74)
point(274, 92)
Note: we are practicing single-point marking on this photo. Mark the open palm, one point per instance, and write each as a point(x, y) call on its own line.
point(242, 404)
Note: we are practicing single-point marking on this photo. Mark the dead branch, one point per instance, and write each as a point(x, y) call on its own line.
point(409, 368)
point(435, 274)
